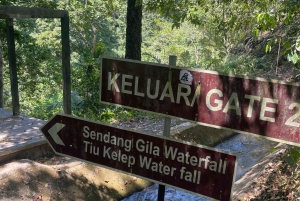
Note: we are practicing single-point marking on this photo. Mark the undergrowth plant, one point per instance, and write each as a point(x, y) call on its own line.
point(245, 64)
point(292, 156)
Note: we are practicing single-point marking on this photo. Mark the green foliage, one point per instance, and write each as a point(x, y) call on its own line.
point(293, 57)
point(230, 20)
point(47, 107)
point(293, 156)
point(265, 21)
point(111, 114)
point(31, 3)
point(293, 52)
point(244, 65)
point(208, 34)
point(38, 50)
point(273, 150)
point(269, 46)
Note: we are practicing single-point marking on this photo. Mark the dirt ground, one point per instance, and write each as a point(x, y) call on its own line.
point(271, 179)
point(62, 178)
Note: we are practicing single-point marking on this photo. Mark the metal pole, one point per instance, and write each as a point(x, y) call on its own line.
point(12, 66)
point(166, 133)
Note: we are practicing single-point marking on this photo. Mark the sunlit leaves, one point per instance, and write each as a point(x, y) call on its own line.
point(229, 18)
point(269, 45)
point(293, 57)
point(265, 21)
point(297, 45)
point(273, 150)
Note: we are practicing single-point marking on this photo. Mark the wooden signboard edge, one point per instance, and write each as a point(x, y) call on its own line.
point(199, 123)
point(142, 133)
point(203, 71)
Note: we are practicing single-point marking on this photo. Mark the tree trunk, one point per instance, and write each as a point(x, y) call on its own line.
point(133, 30)
point(1, 78)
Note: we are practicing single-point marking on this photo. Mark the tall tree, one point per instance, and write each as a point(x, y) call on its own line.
point(1, 78)
point(134, 30)
point(2, 37)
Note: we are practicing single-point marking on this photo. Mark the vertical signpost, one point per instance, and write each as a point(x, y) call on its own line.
point(166, 133)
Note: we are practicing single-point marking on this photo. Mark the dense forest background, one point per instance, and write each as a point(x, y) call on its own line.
point(230, 36)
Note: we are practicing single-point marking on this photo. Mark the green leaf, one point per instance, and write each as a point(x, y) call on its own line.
point(272, 150)
point(268, 48)
point(256, 32)
point(265, 21)
point(295, 154)
point(287, 20)
point(293, 157)
point(298, 44)
point(293, 57)
point(290, 160)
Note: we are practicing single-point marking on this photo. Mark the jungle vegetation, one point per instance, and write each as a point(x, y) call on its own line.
point(237, 36)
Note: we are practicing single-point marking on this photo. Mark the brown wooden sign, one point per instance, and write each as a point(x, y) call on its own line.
point(199, 170)
point(268, 108)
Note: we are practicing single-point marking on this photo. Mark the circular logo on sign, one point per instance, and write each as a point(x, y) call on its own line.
point(185, 77)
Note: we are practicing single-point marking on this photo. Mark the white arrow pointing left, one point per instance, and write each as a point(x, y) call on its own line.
point(53, 132)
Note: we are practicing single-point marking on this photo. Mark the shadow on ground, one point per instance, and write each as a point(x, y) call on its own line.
point(61, 178)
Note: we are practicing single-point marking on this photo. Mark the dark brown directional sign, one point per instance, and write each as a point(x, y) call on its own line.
point(265, 107)
point(196, 169)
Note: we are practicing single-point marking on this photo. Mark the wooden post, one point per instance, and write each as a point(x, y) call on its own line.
point(12, 66)
point(66, 71)
point(1, 78)
point(166, 133)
